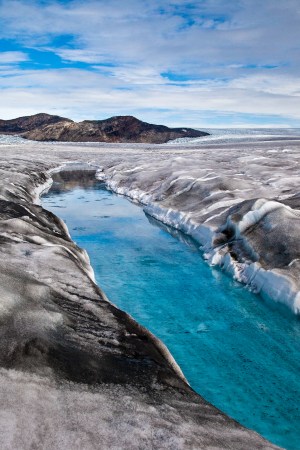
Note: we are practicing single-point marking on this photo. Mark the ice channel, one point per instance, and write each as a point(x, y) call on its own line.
point(237, 351)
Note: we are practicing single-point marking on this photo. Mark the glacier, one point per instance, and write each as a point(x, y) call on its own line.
point(74, 369)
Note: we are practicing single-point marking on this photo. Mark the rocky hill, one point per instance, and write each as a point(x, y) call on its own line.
point(29, 123)
point(44, 127)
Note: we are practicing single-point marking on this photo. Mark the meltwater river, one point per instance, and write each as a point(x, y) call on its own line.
point(236, 351)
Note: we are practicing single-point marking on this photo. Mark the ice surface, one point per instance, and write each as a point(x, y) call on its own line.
point(237, 220)
point(201, 192)
point(77, 371)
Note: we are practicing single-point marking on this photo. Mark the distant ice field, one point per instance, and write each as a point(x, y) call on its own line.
point(12, 140)
point(227, 135)
point(217, 136)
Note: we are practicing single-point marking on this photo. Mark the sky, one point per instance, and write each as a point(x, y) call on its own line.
point(202, 63)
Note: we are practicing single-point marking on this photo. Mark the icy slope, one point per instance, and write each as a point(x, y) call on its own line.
point(241, 208)
point(75, 371)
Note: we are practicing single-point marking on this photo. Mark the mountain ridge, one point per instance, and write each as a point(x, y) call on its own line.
point(116, 129)
point(29, 123)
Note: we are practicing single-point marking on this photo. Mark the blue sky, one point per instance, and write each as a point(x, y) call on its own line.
point(191, 63)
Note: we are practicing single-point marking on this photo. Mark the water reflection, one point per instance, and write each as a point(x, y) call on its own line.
point(68, 180)
point(177, 234)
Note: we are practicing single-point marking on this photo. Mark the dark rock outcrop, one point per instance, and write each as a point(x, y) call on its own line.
point(44, 127)
point(29, 123)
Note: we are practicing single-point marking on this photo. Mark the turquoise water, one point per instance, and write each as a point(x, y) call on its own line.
point(238, 352)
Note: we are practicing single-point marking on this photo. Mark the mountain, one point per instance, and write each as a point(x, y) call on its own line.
point(44, 127)
point(29, 123)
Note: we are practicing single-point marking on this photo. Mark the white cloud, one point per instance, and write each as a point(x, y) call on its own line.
point(284, 85)
point(86, 56)
point(12, 57)
point(80, 95)
point(223, 52)
point(134, 31)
